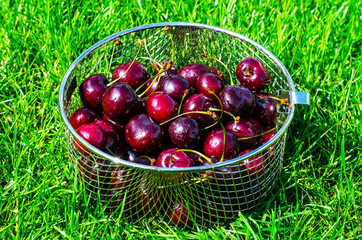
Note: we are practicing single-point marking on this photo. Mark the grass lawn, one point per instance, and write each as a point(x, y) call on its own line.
point(319, 195)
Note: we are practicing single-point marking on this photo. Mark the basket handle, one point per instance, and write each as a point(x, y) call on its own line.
point(299, 98)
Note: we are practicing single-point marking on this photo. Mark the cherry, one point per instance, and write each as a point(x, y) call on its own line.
point(120, 125)
point(155, 81)
point(184, 132)
point(252, 74)
point(92, 90)
point(143, 134)
point(192, 71)
point(120, 102)
point(265, 109)
point(266, 137)
point(113, 139)
point(175, 86)
point(247, 129)
point(134, 74)
point(209, 82)
point(173, 70)
point(180, 214)
point(199, 102)
point(214, 144)
point(179, 159)
point(161, 107)
point(237, 100)
point(93, 134)
point(83, 116)
point(254, 165)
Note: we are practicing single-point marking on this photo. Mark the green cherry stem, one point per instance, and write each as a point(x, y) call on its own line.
point(224, 135)
point(193, 151)
point(284, 101)
point(259, 135)
point(182, 114)
point(227, 69)
point(182, 101)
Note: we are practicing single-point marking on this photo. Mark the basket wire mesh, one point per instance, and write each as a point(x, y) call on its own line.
point(203, 194)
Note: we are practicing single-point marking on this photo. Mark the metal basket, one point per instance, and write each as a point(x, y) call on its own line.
point(203, 194)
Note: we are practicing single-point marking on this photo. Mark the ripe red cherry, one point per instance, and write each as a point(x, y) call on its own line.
point(133, 74)
point(172, 70)
point(214, 144)
point(92, 90)
point(178, 160)
point(252, 74)
point(246, 129)
point(120, 102)
point(181, 214)
point(155, 81)
point(199, 102)
point(209, 81)
point(265, 109)
point(143, 134)
point(113, 139)
point(237, 100)
point(266, 137)
point(192, 71)
point(83, 116)
point(184, 132)
point(254, 165)
point(161, 107)
point(175, 86)
point(93, 134)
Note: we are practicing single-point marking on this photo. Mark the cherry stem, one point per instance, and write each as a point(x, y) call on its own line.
point(182, 100)
point(247, 72)
point(138, 51)
point(116, 43)
point(222, 107)
point(227, 69)
point(168, 30)
point(157, 77)
point(193, 151)
point(246, 138)
point(182, 114)
point(150, 57)
point(151, 160)
point(229, 113)
point(224, 135)
point(283, 101)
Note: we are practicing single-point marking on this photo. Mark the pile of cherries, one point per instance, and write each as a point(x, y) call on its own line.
point(177, 118)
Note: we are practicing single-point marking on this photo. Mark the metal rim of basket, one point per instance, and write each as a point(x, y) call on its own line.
point(230, 162)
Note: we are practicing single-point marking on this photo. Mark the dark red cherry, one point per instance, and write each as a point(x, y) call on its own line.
point(211, 82)
point(113, 139)
point(254, 165)
point(83, 116)
point(181, 214)
point(184, 132)
point(120, 102)
point(143, 134)
point(175, 86)
point(214, 144)
point(199, 102)
point(161, 107)
point(265, 109)
point(237, 100)
point(93, 134)
point(266, 137)
point(252, 74)
point(192, 71)
point(247, 130)
point(92, 90)
point(178, 160)
point(134, 74)
point(155, 81)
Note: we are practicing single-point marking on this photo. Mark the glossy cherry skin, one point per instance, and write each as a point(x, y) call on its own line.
point(180, 214)
point(161, 107)
point(237, 100)
point(83, 116)
point(113, 139)
point(266, 137)
point(175, 86)
point(178, 160)
point(184, 132)
point(246, 129)
point(254, 165)
point(155, 81)
point(192, 71)
point(93, 134)
point(265, 109)
point(214, 144)
point(133, 74)
point(171, 71)
point(92, 90)
point(120, 102)
point(143, 134)
point(252, 74)
point(218, 73)
point(199, 102)
point(211, 82)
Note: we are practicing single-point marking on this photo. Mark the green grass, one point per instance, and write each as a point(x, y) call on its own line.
point(319, 195)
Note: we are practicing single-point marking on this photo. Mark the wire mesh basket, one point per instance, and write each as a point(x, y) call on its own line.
point(185, 196)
